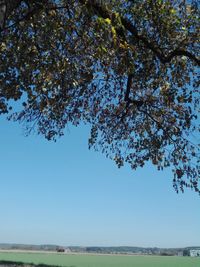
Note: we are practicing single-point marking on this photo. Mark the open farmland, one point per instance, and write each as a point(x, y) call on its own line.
point(100, 260)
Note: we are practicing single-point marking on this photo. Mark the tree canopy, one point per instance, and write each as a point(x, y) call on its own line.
point(129, 68)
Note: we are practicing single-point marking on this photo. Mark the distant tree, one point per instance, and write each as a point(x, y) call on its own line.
point(186, 252)
point(128, 68)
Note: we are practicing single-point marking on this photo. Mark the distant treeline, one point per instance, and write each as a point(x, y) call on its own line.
point(29, 247)
point(103, 250)
point(126, 250)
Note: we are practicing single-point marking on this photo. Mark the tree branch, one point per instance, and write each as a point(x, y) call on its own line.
point(6, 8)
point(106, 13)
point(128, 100)
point(181, 52)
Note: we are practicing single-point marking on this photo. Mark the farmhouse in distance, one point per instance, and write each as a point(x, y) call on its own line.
point(195, 252)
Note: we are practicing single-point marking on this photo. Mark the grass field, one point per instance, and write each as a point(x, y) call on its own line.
point(101, 260)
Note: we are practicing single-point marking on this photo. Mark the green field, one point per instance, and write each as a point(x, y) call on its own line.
point(101, 260)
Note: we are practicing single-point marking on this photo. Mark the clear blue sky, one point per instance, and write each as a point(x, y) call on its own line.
point(62, 193)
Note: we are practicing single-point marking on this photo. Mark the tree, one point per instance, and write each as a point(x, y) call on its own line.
point(128, 68)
